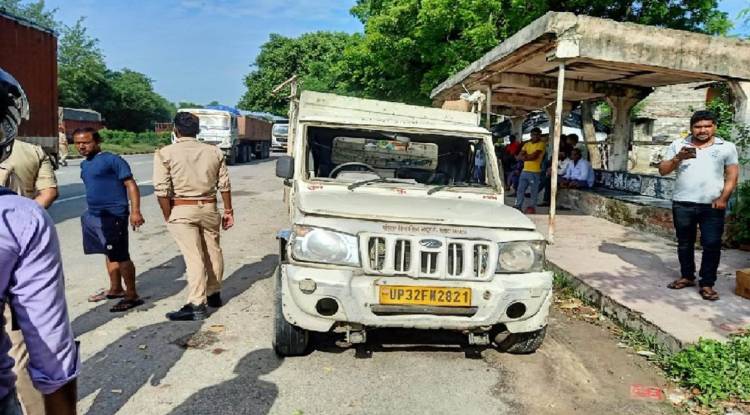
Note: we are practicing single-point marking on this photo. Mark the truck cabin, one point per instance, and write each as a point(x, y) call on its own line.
point(215, 125)
point(351, 155)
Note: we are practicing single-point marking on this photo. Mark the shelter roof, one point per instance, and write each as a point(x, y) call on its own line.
point(603, 58)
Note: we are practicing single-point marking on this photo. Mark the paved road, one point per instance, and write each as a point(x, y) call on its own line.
point(139, 363)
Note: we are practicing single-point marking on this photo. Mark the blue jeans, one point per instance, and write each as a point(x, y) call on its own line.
point(528, 180)
point(688, 217)
point(9, 405)
point(479, 174)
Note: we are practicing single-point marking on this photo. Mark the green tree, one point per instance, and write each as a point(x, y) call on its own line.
point(410, 46)
point(82, 72)
point(188, 104)
point(133, 105)
point(214, 102)
point(314, 57)
point(34, 11)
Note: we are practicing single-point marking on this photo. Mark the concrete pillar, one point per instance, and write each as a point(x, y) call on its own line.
point(516, 126)
point(551, 116)
point(741, 95)
point(488, 109)
point(589, 134)
point(622, 131)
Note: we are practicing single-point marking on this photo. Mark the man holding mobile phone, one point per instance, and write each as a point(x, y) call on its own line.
point(707, 171)
point(187, 176)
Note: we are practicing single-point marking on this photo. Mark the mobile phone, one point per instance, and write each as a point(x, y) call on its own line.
point(691, 150)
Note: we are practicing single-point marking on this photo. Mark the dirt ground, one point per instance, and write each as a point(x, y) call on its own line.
point(580, 369)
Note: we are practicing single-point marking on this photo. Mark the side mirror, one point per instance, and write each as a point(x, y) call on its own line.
point(285, 167)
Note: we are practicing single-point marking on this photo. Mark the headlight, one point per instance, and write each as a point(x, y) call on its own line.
point(324, 246)
point(522, 256)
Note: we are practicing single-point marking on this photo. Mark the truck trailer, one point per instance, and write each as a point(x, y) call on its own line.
point(29, 53)
point(239, 136)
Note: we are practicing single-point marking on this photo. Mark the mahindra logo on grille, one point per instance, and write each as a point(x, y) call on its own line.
point(431, 243)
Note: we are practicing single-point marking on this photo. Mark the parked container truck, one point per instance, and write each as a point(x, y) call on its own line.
point(75, 118)
point(29, 53)
point(240, 137)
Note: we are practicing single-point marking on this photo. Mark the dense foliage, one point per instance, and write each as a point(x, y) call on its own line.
point(714, 370)
point(313, 57)
point(127, 138)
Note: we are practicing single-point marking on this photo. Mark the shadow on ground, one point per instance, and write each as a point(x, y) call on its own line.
point(148, 353)
point(244, 394)
point(158, 283)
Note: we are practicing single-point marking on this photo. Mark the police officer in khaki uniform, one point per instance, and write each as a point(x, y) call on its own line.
point(62, 144)
point(187, 176)
point(28, 172)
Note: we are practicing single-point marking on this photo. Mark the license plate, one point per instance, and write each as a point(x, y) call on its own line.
point(434, 296)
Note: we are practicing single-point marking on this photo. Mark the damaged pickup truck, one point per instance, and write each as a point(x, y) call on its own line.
point(390, 230)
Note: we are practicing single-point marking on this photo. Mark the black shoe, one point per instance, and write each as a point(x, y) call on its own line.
point(189, 312)
point(214, 300)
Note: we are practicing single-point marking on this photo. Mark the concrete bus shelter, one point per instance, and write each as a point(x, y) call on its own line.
point(562, 59)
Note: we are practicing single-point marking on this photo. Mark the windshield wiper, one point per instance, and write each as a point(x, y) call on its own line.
point(368, 181)
point(437, 188)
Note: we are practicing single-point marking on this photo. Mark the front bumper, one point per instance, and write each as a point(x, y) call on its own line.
point(278, 143)
point(357, 298)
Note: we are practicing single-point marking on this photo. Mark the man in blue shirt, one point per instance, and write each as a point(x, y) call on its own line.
point(707, 171)
point(109, 184)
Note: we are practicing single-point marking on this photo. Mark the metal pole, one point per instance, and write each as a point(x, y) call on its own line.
point(487, 122)
point(556, 149)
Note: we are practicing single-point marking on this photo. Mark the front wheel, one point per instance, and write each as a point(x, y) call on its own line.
point(523, 343)
point(288, 339)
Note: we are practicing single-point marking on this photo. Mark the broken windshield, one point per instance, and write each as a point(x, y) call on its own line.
point(369, 158)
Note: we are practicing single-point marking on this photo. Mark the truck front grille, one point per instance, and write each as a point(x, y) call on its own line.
point(428, 257)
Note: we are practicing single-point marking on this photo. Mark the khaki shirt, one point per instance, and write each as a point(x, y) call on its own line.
point(189, 169)
point(31, 167)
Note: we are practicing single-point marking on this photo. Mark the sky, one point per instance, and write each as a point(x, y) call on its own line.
point(200, 50)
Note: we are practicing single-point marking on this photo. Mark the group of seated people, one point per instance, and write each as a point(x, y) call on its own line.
point(573, 167)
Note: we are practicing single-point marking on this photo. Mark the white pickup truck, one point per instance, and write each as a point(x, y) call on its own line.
point(389, 230)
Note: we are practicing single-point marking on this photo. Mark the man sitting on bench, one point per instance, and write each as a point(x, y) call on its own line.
point(579, 174)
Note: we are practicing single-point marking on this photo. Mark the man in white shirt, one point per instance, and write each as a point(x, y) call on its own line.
point(707, 170)
point(578, 174)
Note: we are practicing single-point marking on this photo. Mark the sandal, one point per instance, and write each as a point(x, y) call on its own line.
point(681, 283)
point(125, 305)
point(709, 294)
point(104, 295)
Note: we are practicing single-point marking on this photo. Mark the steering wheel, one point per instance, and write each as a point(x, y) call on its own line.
point(350, 166)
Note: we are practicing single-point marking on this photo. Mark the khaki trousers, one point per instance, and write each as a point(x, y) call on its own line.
point(195, 228)
point(63, 150)
point(32, 401)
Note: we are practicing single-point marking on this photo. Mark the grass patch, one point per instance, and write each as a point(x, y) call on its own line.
point(121, 148)
point(713, 370)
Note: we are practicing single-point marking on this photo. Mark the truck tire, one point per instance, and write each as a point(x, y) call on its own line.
point(523, 343)
point(288, 339)
point(232, 156)
point(244, 154)
point(266, 149)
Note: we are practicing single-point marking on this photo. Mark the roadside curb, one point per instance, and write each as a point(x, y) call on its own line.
point(623, 315)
